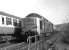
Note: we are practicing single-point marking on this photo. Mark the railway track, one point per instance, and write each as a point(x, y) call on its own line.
point(52, 41)
point(10, 46)
point(57, 43)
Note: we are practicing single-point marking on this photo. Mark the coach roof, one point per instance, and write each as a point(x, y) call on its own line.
point(6, 14)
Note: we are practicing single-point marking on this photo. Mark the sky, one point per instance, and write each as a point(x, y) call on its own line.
point(56, 11)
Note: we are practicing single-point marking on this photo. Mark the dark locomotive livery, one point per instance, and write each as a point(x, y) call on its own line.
point(21, 28)
point(34, 24)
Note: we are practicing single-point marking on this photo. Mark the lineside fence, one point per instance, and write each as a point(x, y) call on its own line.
point(34, 43)
point(42, 43)
point(38, 44)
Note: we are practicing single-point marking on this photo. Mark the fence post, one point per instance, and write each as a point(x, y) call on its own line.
point(42, 41)
point(36, 42)
point(29, 46)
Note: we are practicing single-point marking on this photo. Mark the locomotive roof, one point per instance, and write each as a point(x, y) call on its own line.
point(34, 15)
point(9, 15)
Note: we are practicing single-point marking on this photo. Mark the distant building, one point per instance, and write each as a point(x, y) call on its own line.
point(62, 27)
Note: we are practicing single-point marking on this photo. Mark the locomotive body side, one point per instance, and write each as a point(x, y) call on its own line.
point(45, 26)
point(48, 28)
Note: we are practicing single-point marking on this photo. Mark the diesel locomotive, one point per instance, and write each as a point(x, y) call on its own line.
point(34, 24)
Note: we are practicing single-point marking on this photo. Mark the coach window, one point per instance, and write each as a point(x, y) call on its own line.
point(8, 21)
point(15, 22)
point(2, 20)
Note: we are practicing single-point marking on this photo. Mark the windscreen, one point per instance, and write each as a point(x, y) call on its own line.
point(29, 21)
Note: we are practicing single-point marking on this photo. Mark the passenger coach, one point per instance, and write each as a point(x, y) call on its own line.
point(8, 25)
